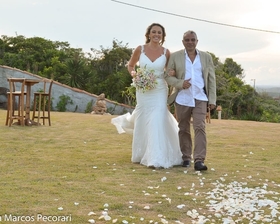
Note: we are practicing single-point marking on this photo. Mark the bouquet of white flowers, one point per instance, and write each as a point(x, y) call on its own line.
point(143, 79)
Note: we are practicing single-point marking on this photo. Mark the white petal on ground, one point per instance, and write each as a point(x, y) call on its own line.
point(169, 200)
point(107, 218)
point(76, 203)
point(181, 206)
point(193, 214)
point(147, 207)
point(179, 222)
point(274, 213)
point(238, 200)
point(60, 208)
point(163, 179)
point(91, 213)
point(91, 221)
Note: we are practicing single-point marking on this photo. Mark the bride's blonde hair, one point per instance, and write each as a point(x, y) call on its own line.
point(149, 30)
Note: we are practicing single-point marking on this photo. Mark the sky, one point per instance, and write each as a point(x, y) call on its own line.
point(90, 24)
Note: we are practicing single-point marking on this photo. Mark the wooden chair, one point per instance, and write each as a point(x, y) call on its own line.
point(15, 96)
point(208, 115)
point(42, 104)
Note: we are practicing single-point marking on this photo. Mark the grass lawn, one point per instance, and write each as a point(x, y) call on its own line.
point(79, 171)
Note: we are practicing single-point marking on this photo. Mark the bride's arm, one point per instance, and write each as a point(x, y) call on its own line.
point(170, 72)
point(167, 57)
point(134, 59)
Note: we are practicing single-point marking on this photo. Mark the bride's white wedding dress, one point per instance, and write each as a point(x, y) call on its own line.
point(155, 130)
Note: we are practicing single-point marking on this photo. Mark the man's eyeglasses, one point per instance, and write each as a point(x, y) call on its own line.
point(190, 40)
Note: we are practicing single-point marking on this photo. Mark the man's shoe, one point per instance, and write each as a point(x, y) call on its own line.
point(186, 163)
point(199, 166)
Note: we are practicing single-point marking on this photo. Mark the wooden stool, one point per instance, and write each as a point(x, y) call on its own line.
point(208, 115)
point(13, 96)
point(43, 105)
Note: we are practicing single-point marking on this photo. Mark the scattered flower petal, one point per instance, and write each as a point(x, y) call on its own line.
point(181, 206)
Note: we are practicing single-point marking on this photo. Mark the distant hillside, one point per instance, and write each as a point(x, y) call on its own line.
point(272, 91)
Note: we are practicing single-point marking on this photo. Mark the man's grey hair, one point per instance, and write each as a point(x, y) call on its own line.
point(190, 32)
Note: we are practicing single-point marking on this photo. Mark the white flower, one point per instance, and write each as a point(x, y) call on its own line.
point(143, 79)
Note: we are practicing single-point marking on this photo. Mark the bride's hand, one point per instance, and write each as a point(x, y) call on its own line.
point(171, 72)
point(133, 73)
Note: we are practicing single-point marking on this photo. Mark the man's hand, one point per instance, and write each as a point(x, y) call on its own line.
point(171, 72)
point(212, 106)
point(186, 84)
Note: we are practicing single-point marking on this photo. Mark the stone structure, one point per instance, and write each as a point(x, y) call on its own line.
point(100, 105)
point(219, 109)
point(80, 99)
point(3, 97)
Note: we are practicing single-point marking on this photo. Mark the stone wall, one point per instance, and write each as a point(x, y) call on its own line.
point(79, 98)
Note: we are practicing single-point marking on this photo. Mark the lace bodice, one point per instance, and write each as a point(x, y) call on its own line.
point(157, 65)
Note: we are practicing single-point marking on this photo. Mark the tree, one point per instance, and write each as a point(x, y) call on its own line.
point(232, 68)
point(104, 71)
point(111, 76)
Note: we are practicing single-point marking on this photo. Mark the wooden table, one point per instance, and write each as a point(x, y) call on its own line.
point(29, 83)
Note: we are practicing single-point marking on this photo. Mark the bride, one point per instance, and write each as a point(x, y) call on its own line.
point(155, 130)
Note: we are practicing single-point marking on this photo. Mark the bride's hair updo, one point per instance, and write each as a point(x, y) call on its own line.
point(149, 30)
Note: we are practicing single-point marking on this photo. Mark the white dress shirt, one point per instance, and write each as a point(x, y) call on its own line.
point(187, 97)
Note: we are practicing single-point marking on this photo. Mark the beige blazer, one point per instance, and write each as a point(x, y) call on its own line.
point(177, 62)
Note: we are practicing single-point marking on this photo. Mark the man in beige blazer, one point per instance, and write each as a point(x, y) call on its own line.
point(193, 89)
